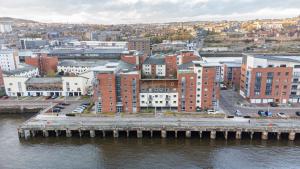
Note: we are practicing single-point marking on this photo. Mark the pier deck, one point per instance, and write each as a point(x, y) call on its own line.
point(45, 124)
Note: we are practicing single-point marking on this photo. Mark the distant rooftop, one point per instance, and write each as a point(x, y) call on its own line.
point(75, 63)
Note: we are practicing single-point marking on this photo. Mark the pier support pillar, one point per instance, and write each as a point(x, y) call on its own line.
point(200, 134)
point(103, 133)
point(32, 133)
point(116, 133)
point(80, 133)
point(188, 134)
point(56, 133)
point(127, 133)
point(92, 133)
point(21, 133)
point(139, 134)
point(238, 135)
point(264, 135)
point(292, 136)
point(176, 134)
point(163, 134)
point(151, 133)
point(226, 135)
point(68, 133)
point(278, 135)
point(45, 133)
point(213, 134)
point(251, 135)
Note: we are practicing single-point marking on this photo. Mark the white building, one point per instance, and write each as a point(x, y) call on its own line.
point(15, 86)
point(5, 27)
point(78, 67)
point(9, 60)
point(159, 99)
point(34, 86)
point(75, 86)
point(23, 70)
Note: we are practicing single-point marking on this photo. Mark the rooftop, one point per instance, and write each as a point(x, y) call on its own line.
point(279, 58)
point(24, 68)
point(154, 60)
point(44, 80)
point(75, 63)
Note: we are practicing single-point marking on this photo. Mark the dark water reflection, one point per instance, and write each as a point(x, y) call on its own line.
point(86, 153)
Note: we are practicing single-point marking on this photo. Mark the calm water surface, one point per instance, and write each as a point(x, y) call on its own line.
point(132, 153)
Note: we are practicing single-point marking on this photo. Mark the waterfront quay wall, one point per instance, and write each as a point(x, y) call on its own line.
point(161, 129)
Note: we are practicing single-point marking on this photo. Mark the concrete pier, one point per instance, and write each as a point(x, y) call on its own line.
point(68, 133)
point(32, 133)
point(226, 135)
point(92, 133)
point(251, 135)
point(40, 126)
point(21, 133)
point(163, 134)
point(213, 134)
point(188, 134)
point(238, 135)
point(139, 134)
point(264, 135)
point(292, 136)
point(200, 134)
point(278, 135)
point(45, 133)
point(57, 132)
point(116, 133)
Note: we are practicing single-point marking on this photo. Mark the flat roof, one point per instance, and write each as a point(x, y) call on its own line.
point(279, 58)
point(44, 80)
point(24, 68)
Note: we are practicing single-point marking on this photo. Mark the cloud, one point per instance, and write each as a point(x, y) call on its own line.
point(146, 11)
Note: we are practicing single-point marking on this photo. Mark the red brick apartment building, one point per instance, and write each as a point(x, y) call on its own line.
point(232, 74)
point(266, 79)
point(45, 63)
point(160, 84)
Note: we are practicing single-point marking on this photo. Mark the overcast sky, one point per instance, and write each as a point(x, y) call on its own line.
point(146, 11)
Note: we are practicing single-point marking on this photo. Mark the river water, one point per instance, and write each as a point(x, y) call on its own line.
point(132, 153)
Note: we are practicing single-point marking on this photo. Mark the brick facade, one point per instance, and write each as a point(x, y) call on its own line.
point(44, 63)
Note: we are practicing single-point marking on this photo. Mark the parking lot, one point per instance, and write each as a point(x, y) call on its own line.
point(230, 101)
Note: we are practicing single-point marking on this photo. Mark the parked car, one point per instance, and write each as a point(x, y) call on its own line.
point(56, 110)
point(60, 107)
point(64, 104)
point(53, 97)
point(268, 113)
point(297, 113)
point(238, 113)
point(48, 97)
point(223, 87)
point(282, 115)
point(273, 104)
point(261, 113)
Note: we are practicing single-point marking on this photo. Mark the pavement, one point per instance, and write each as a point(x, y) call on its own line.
point(230, 99)
point(47, 120)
